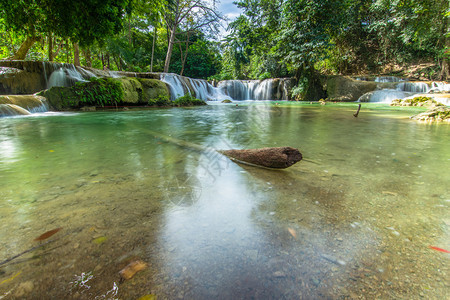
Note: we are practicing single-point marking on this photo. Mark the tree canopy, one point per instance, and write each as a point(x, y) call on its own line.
point(272, 38)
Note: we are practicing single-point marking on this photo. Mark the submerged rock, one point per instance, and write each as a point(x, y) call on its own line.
point(132, 268)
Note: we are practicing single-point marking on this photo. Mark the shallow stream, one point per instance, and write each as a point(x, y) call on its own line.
point(354, 219)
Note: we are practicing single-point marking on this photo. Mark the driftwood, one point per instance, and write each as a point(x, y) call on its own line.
point(271, 157)
point(357, 112)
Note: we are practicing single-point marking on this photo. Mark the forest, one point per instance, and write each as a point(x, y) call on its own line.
point(272, 38)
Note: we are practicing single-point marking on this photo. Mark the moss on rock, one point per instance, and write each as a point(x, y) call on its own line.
point(154, 92)
point(437, 114)
point(416, 101)
point(131, 88)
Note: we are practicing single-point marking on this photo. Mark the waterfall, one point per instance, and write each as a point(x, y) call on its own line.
point(440, 87)
point(387, 79)
point(66, 76)
point(384, 96)
point(268, 89)
point(415, 87)
point(7, 110)
point(22, 105)
point(175, 85)
point(200, 88)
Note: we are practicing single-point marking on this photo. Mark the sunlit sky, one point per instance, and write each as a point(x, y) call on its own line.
point(230, 10)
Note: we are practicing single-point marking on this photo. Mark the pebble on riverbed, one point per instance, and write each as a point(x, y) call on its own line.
point(132, 268)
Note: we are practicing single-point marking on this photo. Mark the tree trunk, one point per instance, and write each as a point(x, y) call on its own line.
point(25, 47)
point(183, 58)
point(169, 50)
point(153, 48)
point(50, 47)
point(76, 54)
point(87, 57)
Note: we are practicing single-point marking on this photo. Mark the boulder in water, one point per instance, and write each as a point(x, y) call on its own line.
point(344, 88)
point(437, 114)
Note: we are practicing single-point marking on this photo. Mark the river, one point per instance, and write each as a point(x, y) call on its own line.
point(354, 219)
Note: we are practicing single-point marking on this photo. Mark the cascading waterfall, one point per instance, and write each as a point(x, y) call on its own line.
point(22, 105)
point(201, 89)
point(405, 89)
point(227, 89)
point(414, 87)
point(65, 76)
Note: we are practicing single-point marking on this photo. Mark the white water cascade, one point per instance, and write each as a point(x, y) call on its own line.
point(201, 89)
point(405, 89)
point(247, 89)
point(66, 76)
point(268, 89)
point(22, 105)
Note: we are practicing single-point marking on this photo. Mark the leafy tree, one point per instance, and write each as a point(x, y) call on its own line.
point(186, 17)
point(83, 22)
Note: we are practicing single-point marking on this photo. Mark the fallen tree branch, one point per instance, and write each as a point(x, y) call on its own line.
point(270, 157)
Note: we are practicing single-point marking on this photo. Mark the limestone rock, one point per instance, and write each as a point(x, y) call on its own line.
point(344, 88)
point(437, 114)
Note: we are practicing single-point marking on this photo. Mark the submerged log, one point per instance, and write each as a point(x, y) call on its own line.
point(271, 157)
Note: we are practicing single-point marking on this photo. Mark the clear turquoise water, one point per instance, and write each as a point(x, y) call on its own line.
point(354, 219)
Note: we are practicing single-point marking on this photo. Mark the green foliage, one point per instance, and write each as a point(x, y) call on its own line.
point(294, 37)
point(188, 100)
point(99, 92)
point(203, 59)
point(82, 21)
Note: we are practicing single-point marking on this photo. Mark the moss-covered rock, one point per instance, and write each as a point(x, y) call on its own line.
point(188, 100)
point(416, 101)
point(97, 92)
point(227, 101)
point(437, 114)
point(154, 92)
point(344, 88)
point(131, 88)
point(103, 92)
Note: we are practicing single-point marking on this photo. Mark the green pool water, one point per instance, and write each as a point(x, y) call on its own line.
point(354, 219)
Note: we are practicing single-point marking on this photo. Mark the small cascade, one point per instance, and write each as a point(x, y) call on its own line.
point(201, 89)
point(388, 79)
point(7, 110)
point(175, 85)
point(384, 96)
point(268, 89)
point(67, 76)
point(441, 87)
point(28, 104)
point(404, 89)
point(414, 87)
